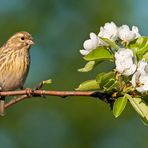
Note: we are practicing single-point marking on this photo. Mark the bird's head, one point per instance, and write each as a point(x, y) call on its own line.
point(20, 40)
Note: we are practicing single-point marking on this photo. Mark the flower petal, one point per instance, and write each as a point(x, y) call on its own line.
point(84, 52)
point(124, 61)
point(109, 31)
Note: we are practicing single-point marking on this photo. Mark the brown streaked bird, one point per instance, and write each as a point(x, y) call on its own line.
point(14, 63)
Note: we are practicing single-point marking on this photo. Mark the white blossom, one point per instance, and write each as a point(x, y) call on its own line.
point(140, 78)
point(124, 60)
point(109, 31)
point(91, 44)
point(142, 67)
point(128, 35)
point(140, 82)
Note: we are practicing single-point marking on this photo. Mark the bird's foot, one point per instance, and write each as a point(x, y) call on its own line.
point(29, 92)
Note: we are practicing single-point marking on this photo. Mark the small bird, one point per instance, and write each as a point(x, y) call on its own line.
point(14, 63)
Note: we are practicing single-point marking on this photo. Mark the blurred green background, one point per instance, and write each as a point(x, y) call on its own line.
point(59, 29)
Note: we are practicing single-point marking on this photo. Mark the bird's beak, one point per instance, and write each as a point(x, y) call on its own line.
point(29, 42)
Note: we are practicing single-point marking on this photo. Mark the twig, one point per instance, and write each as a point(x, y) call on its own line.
point(45, 92)
point(28, 93)
point(15, 100)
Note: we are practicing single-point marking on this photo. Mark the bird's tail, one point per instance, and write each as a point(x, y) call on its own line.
point(2, 106)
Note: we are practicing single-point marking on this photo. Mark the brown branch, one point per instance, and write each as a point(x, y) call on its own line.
point(28, 93)
point(45, 92)
point(15, 100)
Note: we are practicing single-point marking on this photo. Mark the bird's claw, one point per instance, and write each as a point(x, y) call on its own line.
point(29, 92)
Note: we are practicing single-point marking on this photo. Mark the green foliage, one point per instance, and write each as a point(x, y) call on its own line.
point(88, 85)
point(107, 81)
point(88, 67)
point(113, 82)
point(49, 81)
point(111, 43)
point(145, 56)
point(140, 106)
point(99, 54)
point(119, 106)
point(102, 78)
point(139, 46)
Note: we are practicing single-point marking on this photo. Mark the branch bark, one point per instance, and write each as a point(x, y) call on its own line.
point(28, 93)
point(31, 92)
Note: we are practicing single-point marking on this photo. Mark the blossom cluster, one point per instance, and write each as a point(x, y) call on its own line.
point(111, 32)
point(125, 59)
point(125, 62)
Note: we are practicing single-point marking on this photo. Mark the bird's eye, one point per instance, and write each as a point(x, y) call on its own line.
point(22, 38)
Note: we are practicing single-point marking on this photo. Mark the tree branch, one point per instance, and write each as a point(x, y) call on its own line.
point(28, 93)
point(31, 92)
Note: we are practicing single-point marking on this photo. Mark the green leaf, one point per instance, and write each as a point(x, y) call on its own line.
point(119, 106)
point(140, 106)
point(103, 78)
point(145, 56)
point(88, 85)
point(111, 43)
point(49, 81)
point(110, 85)
point(139, 46)
point(43, 83)
point(88, 67)
point(100, 54)
point(107, 81)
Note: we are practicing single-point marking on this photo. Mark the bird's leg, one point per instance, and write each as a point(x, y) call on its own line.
point(29, 92)
point(2, 105)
